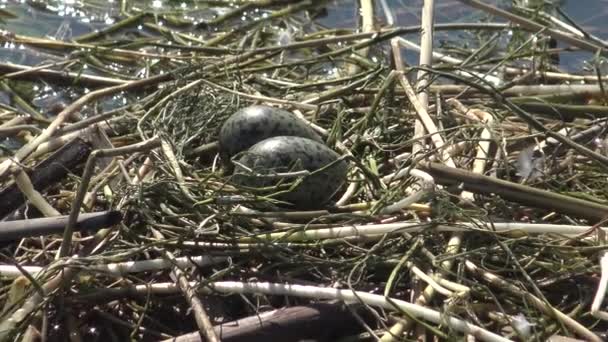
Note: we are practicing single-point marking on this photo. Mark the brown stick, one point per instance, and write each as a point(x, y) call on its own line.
point(516, 192)
point(15, 230)
point(318, 322)
point(27, 73)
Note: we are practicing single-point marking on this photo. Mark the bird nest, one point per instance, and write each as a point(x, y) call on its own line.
point(468, 209)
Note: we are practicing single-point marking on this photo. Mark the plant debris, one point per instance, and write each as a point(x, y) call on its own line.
point(475, 201)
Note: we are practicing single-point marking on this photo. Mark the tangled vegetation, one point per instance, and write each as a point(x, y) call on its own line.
point(474, 205)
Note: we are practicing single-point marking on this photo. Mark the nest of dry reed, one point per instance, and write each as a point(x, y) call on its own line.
point(473, 193)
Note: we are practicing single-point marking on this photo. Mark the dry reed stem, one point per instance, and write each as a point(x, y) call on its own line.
point(27, 188)
point(495, 280)
point(86, 178)
point(189, 292)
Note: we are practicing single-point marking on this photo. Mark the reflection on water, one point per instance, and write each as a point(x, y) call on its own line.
point(67, 20)
point(591, 15)
point(60, 18)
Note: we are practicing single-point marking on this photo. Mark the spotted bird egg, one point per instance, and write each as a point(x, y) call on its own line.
point(253, 124)
point(280, 160)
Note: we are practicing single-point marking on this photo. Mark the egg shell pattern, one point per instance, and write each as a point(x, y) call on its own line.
point(289, 154)
point(252, 124)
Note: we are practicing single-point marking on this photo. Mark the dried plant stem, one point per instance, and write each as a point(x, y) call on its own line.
point(320, 293)
point(21, 102)
point(144, 170)
point(516, 192)
point(19, 229)
point(86, 178)
point(424, 122)
point(295, 104)
point(601, 289)
point(32, 303)
point(535, 301)
point(426, 51)
point(109, 116)
point(108, 52)
point(350, 191)
point(427, 188)
point(24, 72)
point(425, 118)
point(27, 188)
point(483, 147)
point(200, 315)
point(332, 38)
point(558, 76)
point(16, 121)
point(533, 121)
point(6, 131)
point(358, 296)
point(56, 143)
point(167, 150)
point(367, 25)
point(421, 103)
point(378, 230)
point(11, 70)
point(124, 268)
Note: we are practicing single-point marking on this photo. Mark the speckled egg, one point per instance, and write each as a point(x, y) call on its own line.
point(253, 124)
point(288, 154)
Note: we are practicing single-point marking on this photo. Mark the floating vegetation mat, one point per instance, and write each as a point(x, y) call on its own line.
point(474, 205)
